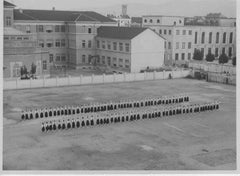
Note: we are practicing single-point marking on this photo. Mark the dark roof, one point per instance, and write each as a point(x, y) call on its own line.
point(8, 4)
point(136, 19)
point(119, 32)
point(56, 15)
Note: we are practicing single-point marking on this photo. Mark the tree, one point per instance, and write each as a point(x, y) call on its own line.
point(33, 68)
point(210, 57)
point(234, 61)
point(197, 55)
point(223, 59)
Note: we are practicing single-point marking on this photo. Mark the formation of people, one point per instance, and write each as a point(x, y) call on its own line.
point(161, 111)
point(100, 107)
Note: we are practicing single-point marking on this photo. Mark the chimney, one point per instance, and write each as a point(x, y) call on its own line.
point(21, 10)
point(124, 10)
point(53, 8)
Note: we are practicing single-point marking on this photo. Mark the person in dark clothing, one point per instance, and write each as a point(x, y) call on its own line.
point(43, 127)
point(50, 126)
point(46, 112)
point(68, 124)
point(63, 125)
point(59, 125)
point(23, 115)
point(36, 114)
point(54, 125)
point(73, 123)
point(46, 127)
point(50, 112)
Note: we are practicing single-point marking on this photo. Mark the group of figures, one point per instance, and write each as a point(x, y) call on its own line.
point(129, 116)
point(101, 107)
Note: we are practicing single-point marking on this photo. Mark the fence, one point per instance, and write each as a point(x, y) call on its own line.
point(94, 79)
point(213, 67)
point(220, 78)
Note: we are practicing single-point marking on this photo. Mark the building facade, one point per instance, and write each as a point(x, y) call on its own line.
point(124, 49)
point(182, 40)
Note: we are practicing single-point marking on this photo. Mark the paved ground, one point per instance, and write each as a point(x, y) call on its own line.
point(196, 142)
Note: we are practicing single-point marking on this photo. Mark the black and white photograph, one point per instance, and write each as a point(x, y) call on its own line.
point(119, 85)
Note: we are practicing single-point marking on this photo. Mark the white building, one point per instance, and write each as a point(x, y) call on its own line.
point(128, 49)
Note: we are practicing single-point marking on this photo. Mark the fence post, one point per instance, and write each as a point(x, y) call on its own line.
point(57, 81)
point(92, 78)
point(69, 79)
point(16, 83)
point(80, 79)
point(103, 78)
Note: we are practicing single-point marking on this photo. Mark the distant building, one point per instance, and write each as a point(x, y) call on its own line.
point(128, 49)
point(66, 36)
point(136, 21)
point(182, 40)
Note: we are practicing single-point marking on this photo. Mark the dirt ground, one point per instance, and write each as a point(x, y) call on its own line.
point(204, 141)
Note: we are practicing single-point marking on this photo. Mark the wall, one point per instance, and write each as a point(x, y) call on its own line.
point(94, 79)
point(147, 50)
point(219, 78)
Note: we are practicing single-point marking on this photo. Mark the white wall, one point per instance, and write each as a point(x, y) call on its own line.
point(147, 50)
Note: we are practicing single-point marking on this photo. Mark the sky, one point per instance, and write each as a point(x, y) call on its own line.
point(137, 7)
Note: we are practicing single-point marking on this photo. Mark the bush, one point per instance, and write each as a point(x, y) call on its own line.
point(234, 61)
point(197, 55)
point(210, 57)
point(223, 59)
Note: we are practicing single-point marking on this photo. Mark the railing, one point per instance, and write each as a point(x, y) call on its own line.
point(94, 79)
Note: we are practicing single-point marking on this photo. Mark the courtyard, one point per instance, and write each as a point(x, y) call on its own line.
point(204, 141)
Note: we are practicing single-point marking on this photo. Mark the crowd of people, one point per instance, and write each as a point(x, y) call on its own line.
point(100, 107)
point(127, 116)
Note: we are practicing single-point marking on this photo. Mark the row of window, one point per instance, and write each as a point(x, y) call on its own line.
point(169, 45)
point(158, 21)
point(89, 44)
point(58, 58)
point(116, 46)
point(16, 38)
point(189, 45)
point(59, 43)
point(217, 37)
point(183, 56)
point(184, 32)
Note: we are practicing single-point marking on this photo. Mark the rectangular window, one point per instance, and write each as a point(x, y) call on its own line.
point(103, 59)
point(83, 58)
point(120, 46)
point(58, 57)
point(63, 44)
point(177, 32)
point(224, 37)
point(196, 37)
point(114, 59)
point(103, 44)
point(89, 59)
point(19, 38)
point(57, 28)
point(183, 45)
point(98, 59)
point(165, 31)
point(28, 29)
point(210, 38)
point(177, 45)
point(49, 43)
point(216, 52)
point(190, 32)
point(184, 32)
point(25, 38)
point(223, 50)
point(50, 58)
point(217, 37)
point(89, 44)
point(203, 37)
point(189, 56)
point(63, 57)
point(89, 30)
point(44, 65)
point(49, 29)
point(189, 45)
point(41, 43)
point(183, 56)
point(109, 45)
point(8, 21)
point(120, 60)
point(40, 28)
point(115, 46)
point(231, 38)
point(160, 31)
point(202, 51)
point(83, 44)
point(176, 56)
point(57, 43)
point(169, 32)
point(209, 50)
point(169, 45)
point(230, 51)
point(127, 47)
point(109, 61)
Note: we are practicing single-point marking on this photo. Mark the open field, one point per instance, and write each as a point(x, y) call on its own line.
point(204, 141)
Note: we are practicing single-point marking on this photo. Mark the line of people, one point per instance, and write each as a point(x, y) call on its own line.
point(93, 108)
point(127, 116)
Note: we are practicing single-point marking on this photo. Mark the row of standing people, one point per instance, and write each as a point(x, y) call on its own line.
point(125, 117)
point(63, 111)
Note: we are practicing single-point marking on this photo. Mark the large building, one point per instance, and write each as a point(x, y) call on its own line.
point(124, 49)
point(64, 35)
point(182, 40)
